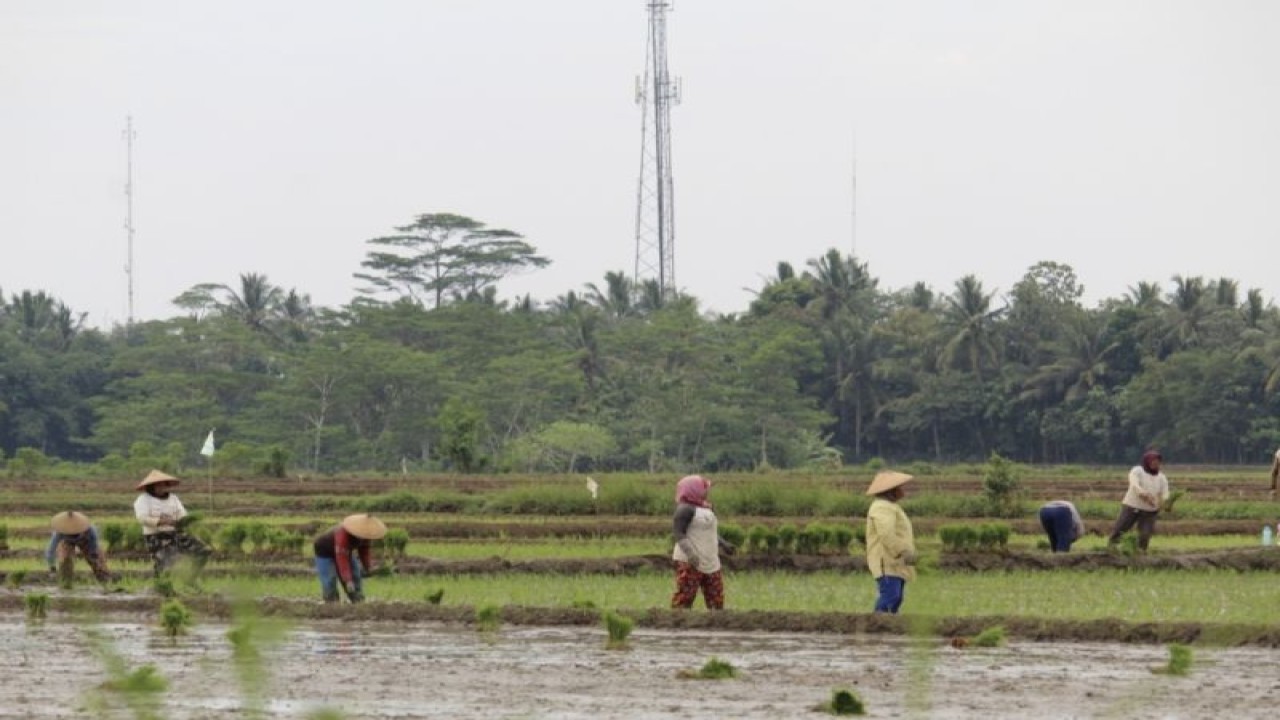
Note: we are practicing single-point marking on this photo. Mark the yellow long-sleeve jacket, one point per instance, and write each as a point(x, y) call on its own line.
point(889, 539)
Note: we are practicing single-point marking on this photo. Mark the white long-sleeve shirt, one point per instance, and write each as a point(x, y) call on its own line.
point(148, 509)
point(1141, 482)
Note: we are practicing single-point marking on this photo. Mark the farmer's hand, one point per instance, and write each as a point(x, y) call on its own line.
point(729, 549)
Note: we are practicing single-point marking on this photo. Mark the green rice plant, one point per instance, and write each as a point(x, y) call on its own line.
point(771, 541)
point(175, 618)
point(787, 538)
point(841, 538)
point(4, 536)
point(583, 604)
point(395, 542)
point(113, 536)
point(1180, 657)
point(993, 536)
point(756, 538)
point(1174, 497)
point(822, 536)
point(619, 629)
point(258, 533)
point(325, 714)
point(713, 669)
point(134, 541)
point(807, 541)
point(435, 596)
point(630, 497)
point(249, 636)
point(143, 681)
point(860, 534)
point(991, 637)
point(488, 618)
point(846, 702)
point(15, 578)
point(163, 586)
point(37, 605)
point(231, 537)
point(733, 534)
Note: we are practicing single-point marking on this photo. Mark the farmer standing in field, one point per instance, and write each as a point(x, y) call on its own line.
point(891, 544)
point(1148, 489)
point(73, 531)
point(161, 513)
point(1275, 473)
point(1061, 522)
point(698, 546)
point(345, 554)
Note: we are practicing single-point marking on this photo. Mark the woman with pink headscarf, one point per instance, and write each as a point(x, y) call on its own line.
point(698, 546)
point(1148, 490)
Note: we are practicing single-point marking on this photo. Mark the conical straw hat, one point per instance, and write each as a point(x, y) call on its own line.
point(70, 522)
point(885, 481)
point(366, 527)
point(155, 476)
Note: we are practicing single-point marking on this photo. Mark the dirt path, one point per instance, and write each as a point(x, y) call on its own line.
point(444, 670)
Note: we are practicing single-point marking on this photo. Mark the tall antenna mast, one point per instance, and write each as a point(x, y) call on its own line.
point(655, 195)
point(129, 135)
point(853, 206)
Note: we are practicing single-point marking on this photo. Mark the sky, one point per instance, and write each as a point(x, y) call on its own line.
point(1131, 140)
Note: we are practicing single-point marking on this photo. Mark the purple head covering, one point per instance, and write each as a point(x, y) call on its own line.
point(1148, 461)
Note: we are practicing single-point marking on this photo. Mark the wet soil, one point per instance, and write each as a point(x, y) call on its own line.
point(445, 669)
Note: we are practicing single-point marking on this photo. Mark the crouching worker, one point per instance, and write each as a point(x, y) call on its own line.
point(345, 554)
point(72, 531)
point(1061, 522)
point(161, 512)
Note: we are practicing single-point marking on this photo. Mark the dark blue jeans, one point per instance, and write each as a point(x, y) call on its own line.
point(327, 570)
point(1057, 523)
point(891, 589)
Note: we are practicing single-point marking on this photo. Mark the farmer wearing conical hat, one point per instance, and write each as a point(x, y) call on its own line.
point(161, 512)
point(891, 545)
point(73, 531)
point(344, 554)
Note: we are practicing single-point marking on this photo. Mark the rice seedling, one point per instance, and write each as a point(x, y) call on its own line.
point(435, 597)
point(991, 637)
point(37, 605)
point(619, 628)
point(1180, 657)
point(488, 618)
point(15, 578)
point(713, 669)
point(846, 702)
point(175, 618)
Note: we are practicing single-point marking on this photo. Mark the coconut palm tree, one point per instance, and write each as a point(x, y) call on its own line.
point(971, 324)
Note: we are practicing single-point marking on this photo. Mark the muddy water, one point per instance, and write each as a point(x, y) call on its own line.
point(432, 670)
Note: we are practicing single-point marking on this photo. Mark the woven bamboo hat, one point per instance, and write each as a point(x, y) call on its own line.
point(886, 481)
point(364, 526)
point(69, 522)
point(155, 476)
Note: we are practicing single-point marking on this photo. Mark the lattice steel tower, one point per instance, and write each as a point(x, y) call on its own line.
point(656, 92)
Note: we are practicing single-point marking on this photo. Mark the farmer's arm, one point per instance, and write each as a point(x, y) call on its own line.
point(92, 547)
point(147, 513)
point(885, 521)
point(1077, 525)
point(51, 550)
point(680, 529)
point(342, 555)
point(366, 556)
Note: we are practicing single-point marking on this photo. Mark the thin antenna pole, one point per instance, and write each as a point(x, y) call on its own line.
point(129, 135)
point(656, 93)
point(853, 205)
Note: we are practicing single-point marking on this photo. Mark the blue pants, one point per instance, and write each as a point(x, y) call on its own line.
point(891, 589)
point(1056, 521)
point(327, 569)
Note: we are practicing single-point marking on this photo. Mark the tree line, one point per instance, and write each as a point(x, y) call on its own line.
point(427, 369)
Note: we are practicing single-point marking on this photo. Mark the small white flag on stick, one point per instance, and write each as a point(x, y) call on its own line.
point(593, 487)
point(207, 450)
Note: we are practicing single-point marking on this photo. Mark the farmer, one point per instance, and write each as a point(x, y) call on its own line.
point(1275, 473)
point(72, 531)
point(1061, 521)
point(344, 553)
point(891, 545)
point(161, 513)
point(698, 546)
point(1148, 489)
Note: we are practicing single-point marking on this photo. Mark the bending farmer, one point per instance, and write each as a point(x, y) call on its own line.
point(73, 532)
point(1061, 522)
point(345, 553)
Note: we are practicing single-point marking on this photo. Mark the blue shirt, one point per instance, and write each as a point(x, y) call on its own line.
point(86, 541)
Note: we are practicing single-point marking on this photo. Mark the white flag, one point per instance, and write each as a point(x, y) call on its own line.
point(593, 487)
point(207, 450)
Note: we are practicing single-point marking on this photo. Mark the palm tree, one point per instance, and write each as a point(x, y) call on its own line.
point(971, 323)
point(616, 298)
point(257, 300)
point(1080, 361)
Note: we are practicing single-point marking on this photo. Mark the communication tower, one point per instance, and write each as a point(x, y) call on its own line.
point(656, 92)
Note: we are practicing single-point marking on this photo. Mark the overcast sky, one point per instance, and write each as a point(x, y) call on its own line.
point(1130, 140)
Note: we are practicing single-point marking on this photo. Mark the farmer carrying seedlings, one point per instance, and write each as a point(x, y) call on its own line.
point(891, 545)
point(1061, 522)
point(161, 514)
point(73, 531)
point(1148, 489)
point(345, 554)
point(698, 546)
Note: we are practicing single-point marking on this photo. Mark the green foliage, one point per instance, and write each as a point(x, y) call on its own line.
point(163, 586)
point(1180, 659)
point(232, 536)
point(632, 498)
point(435, 597)
point(1000, 484)
point(175, 618)
point(713, 669)
point(875, 464)
point(619, 629)
point(15, 578)
point(395, 542)
point(991, 637)
point(37, 605)
point(787, 538)
point(986, 537)
point(28, 463)
point(145, 680)
point(325, 714)
point(733, 534)
point(113, 536)
point(4, 536)
point(488, 618)
point(276, 463)
point(461, 435)
point(847, 702)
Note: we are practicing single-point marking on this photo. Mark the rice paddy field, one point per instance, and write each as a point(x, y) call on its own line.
point(518, 571)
